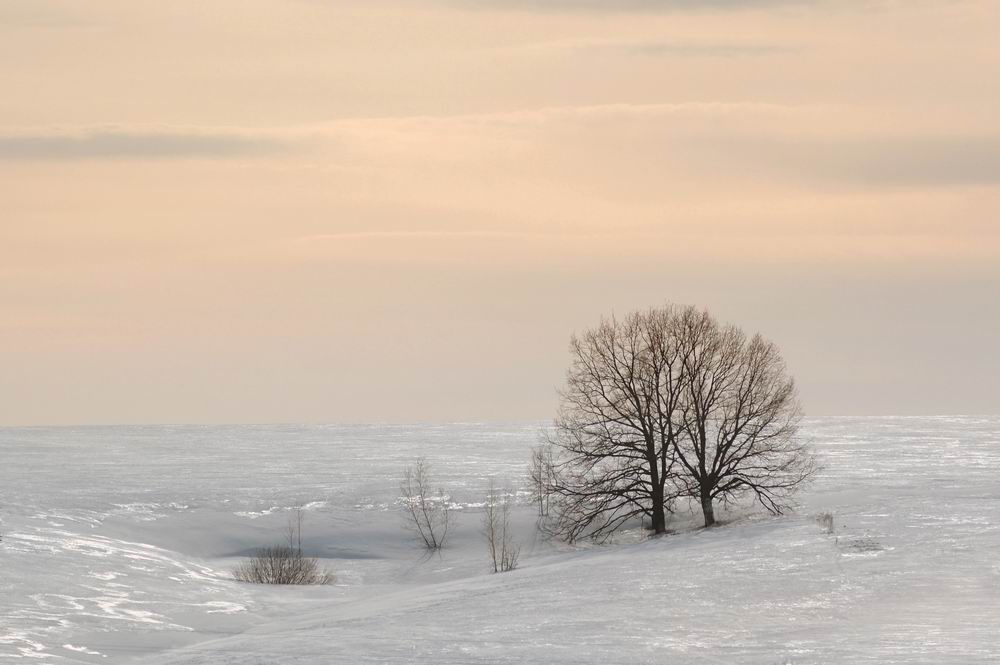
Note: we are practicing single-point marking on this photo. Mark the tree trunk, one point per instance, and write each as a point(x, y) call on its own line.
point(659, 517)
point(707, 509)
point(656, 487)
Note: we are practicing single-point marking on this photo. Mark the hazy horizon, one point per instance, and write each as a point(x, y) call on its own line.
point(445, 423)
point(310, 211)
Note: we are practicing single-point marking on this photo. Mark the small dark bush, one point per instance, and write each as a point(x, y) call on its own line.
point(825, 520)
point(282, 564)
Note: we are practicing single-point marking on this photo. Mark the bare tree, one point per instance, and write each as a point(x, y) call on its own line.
point(739, 415)
point(427, 511)
point(293, 530)
point(497, 529)
point(616, 431)
point(668, 403)
point(541, 474)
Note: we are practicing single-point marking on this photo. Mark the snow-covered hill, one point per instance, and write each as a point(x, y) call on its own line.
point(118, 544)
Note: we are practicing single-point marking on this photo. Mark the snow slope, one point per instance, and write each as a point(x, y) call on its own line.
point(118, 544)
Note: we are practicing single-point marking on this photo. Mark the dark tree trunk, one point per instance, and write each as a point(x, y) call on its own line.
point(656, 490)
point(707, 509)
point(659, 514)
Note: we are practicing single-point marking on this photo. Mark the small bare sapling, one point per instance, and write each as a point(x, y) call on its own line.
point(426, 511)
point(497, 529)
point(541, 473)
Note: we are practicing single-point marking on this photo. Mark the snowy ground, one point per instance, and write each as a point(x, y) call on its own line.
point(118, 544)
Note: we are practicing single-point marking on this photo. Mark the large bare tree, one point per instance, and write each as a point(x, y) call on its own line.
point(668, 403)
point(615, 431)
point(739, 416)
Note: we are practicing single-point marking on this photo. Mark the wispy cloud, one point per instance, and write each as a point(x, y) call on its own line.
point(113, 144)
point(471, 234)
point(901, 161)
point(782, 142)
point(544, 114)
point(627, 5)
point(688, 49)
point(38, 14)
point(427, 233)
point(960, 160)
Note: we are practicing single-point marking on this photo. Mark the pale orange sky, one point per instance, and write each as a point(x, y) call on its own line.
point(311, 210)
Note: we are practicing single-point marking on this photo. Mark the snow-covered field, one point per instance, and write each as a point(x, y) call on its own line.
point(118, 544)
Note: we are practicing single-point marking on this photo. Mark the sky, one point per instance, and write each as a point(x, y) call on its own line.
point(400, 210)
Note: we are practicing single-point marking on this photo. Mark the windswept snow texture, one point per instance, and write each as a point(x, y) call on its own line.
point(118, 545)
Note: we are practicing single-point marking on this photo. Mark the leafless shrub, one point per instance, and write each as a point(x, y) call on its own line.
point(497, 529)
point(284, 564)
point(864, 545)
point(825, 520)
point(426, 510)
point(281, 564)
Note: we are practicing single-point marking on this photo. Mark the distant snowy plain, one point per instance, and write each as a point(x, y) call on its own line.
point(118, 544)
